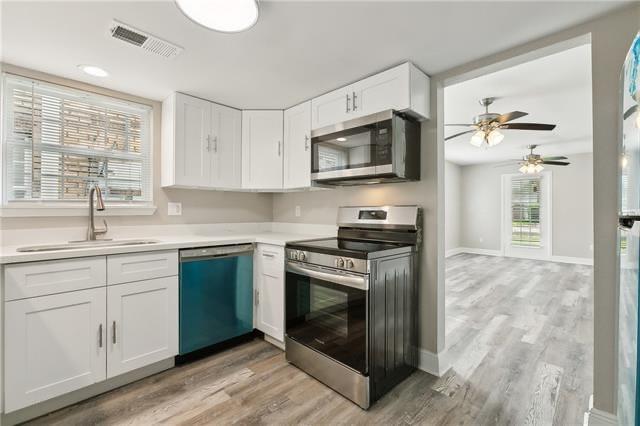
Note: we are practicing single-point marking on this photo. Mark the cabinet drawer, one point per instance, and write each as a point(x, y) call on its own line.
point(25, 280)
point(271, 260)
point(141, 266)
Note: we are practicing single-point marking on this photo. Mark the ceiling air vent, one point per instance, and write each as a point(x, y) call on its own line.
point(138, 38)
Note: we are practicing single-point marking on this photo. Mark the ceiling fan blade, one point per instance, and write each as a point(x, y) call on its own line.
point(528, 126)
point(459, 134)
point(507, 163)
point(628, 113)
point(556, 163)
point(503, 118)
point(465, 125)
point(559, 157)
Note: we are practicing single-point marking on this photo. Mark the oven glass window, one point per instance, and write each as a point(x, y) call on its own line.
point(328, 317)
point(361, 147)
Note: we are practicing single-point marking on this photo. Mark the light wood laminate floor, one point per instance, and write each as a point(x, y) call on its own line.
point(519, 334)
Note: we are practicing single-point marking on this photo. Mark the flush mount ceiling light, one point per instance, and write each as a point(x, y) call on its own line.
point(93, 70)
point(227, 16)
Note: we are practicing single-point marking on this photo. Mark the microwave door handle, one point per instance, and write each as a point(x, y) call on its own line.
point(360, 282)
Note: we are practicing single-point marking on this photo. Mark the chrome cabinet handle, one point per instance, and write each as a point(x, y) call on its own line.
point(100, 335)
point(113, 336)
point(279, 148)
point(354, 101)
point(215, 144)
point(208, 143)
point(268, 255)
point(348, 99)
point(256, 297)
point(306, 143)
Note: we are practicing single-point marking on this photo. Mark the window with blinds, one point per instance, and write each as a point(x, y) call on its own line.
point(525, 211)
point(58, 142)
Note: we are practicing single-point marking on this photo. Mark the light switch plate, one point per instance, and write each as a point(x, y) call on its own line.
point(174, 209)
point(297, 211)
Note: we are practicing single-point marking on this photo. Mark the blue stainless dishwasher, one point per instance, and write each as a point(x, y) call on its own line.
point(216, 295)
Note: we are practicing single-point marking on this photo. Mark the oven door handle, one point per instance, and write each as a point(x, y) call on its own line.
point(360, 282)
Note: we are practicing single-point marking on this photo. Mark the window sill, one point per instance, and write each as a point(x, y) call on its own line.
point(75, 210)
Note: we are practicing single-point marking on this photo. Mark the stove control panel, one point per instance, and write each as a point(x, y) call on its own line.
point(360, 266)
point(344, 263)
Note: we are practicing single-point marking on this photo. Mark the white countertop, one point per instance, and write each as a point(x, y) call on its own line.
point(9, 254)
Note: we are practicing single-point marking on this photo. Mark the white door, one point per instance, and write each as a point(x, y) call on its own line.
point(192, 141)
point(262, 149)
point(226, 169)
point(527, 215)
point(53, 345)
point(270, 291)
point(386, 90)
point(331, 108)
point(297, 146)
point(142, 323)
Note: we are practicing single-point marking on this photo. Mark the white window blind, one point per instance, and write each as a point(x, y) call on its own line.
point(525, 211)
point(59, 141)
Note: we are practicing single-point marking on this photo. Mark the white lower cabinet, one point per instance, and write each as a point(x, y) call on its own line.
point(269, 290)
point(53, 345)
point(142, 321)
point(66, 340)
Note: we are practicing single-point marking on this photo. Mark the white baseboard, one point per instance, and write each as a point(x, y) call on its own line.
point(453, 252)
point(436, 364)
point(569, 259)
point(488, 252)
point(595, 417)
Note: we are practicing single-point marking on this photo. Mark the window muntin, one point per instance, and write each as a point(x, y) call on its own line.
point(525, 211)
point(59, 141)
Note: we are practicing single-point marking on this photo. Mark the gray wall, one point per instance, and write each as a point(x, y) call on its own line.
point(452, 206)
point(197, 206)
point(610, 38)
point(480, 189)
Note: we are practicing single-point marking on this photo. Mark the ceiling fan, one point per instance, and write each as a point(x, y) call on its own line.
point(486, 126)
point(533, 163)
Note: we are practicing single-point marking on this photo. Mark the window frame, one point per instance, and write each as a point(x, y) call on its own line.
point(44, 208)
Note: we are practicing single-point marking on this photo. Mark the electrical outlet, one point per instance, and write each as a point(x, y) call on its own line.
point(297, 211)
point(174, 209)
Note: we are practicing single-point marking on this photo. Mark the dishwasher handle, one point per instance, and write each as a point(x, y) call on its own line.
point(215, 252)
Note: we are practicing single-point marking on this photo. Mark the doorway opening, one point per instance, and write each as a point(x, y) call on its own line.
point(519, 238)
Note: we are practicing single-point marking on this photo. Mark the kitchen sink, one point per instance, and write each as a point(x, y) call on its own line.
point(71, 245)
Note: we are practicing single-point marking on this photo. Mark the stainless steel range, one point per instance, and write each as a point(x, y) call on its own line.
point(351, 302)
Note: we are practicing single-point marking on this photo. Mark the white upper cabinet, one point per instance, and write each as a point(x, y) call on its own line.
point(330, 108)
point(297, 146)
point(402, 88)
point(262, 149)
point(200, 144)
point(226, 147)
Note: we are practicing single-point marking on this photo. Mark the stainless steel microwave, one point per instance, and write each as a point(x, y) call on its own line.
point(378, 148)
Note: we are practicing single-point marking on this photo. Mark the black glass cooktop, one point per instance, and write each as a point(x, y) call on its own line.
point(344, 247)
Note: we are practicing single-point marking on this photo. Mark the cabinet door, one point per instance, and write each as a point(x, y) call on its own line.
point(192, 141)
point(262, 149)
point(386, 90)
point(331, 108)
point(53, 345)
point(297, 146)
point(226, 171)
point(142, 323)
point(270, 291)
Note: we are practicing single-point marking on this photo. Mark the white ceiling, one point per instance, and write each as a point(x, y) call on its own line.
point(555, 89)
point(296, 51)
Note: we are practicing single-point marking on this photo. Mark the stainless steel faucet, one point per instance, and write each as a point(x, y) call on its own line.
point(92, 232)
